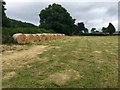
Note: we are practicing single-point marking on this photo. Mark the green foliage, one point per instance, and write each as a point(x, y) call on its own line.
point(11, 26)
point(57, 18)
point(104, 30)
point(4, 17)
point(11, 23)
point(93, 30)
point(7, 33)
point(85, 30)
point(81, 27)
point(111, 28)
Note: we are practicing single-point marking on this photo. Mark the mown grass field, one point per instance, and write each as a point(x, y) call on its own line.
point(86, 61)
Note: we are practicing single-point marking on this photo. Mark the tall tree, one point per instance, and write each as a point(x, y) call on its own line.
point(111, 28)
point(81, 27)
point(93, 30)
point(57, 18)
point(4, 17)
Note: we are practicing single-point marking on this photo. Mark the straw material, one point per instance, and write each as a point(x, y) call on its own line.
point(36, 38)
point(40, 37)
point(55, 36)
point(29, 38)
point(52, 36)
point(45, 36)
point(19, 38)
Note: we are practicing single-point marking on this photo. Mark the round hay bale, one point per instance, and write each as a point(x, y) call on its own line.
point(59, 36)
point(40, 37)
point(49, 37)
point(46, 37)
point(36, 38)
point(52, 36)
point(63, 35)
point(19, 38)
point(55, 36)
point(29, 38)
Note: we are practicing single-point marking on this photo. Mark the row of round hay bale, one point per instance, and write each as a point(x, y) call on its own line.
point(35, 38)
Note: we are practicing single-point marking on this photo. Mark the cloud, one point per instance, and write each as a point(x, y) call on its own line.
point(93, 14)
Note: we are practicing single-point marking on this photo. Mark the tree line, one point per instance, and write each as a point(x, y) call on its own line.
point(55, 18)
point(11, 23)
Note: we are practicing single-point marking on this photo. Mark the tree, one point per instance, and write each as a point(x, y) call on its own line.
point(104, 30)
point(93, 30)
point(118, 31)
point(57, 18)
point(111, 28)
point(85, 30)
point(4, 17)
point(7, 22)
point(81, 27)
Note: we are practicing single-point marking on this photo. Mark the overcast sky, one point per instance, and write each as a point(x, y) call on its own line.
point(93, 14)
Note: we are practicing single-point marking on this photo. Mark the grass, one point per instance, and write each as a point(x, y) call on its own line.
point(89, 62)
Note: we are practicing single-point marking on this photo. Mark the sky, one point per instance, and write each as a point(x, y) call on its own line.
point(94, 14)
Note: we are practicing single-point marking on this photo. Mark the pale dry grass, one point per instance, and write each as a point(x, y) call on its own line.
point(97, 52)
point(16, 59)
point(9, 75)
point(65, 76)
point(61, 78)
point(6, 49)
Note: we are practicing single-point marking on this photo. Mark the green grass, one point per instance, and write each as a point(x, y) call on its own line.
point(94, 59)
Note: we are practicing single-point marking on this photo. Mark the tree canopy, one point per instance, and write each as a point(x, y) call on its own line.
point(57, 18)
point(111, 28)
point(93, 30)
point(4, 17)
point(86, 30)
point(11, 23)
point(104, 30)
point(81, 27)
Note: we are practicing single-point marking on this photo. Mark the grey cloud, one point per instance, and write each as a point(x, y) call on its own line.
point(94, 14)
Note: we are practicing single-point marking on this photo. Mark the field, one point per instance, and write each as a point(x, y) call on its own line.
point(83, 61)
